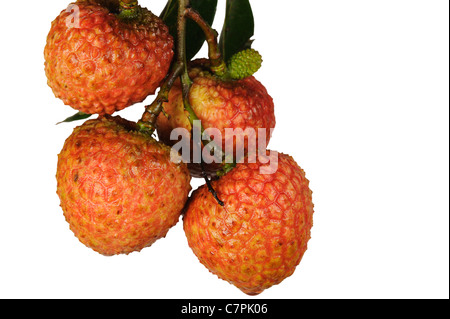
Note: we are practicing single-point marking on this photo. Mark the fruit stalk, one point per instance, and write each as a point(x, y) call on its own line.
point(218, 65)
point(181, 54)
point(128, 3)
point(152, 111)
point(179, 69)
point(147, 123)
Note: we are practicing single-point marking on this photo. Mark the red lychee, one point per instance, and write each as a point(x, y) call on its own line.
point(259, 237)
point(119, 189)
point(236, 108)
point(99, 63)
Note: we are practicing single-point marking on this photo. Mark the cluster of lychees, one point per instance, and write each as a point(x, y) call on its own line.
point(121, 190)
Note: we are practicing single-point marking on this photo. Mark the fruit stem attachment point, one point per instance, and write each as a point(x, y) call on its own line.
point(129, 9)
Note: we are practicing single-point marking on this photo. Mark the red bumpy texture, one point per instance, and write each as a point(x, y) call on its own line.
point(98, 64)
point(118, 188)
point(259, 237)
point(243, 104)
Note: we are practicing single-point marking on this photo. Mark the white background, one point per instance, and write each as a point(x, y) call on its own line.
point(362, 104)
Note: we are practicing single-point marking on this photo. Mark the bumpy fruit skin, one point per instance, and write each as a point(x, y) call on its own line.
point(259, 237)
point(104, 64)
point(118, 188)
point(241, 104)
point(244, 64)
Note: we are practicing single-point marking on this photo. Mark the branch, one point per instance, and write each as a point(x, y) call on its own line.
point(218, 65)
point(148, 121)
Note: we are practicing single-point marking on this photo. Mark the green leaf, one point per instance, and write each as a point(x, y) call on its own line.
point(194, 35)
point(169, 10)
point(238, 28)
point(76, 117)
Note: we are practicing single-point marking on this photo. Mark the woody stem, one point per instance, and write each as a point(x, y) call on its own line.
point(179, 69)
point(218, 65)
point(148, 121)
point(181, 48)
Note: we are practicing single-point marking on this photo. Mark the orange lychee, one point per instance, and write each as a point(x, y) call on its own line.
point(236, 108)
point(259, 237)
point(119, 189)
point(99, 63)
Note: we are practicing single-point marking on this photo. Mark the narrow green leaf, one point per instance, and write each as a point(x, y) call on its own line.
point(169, 9)
point(76, 117)
point(194, 35)
point(238, 28)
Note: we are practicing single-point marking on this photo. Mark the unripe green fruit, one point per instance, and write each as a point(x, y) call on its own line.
point(244, 64)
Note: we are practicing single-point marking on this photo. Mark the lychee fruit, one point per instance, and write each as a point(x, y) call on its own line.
point(259, 237)
point(99, 61)
point(119, 189)
point(238, 109)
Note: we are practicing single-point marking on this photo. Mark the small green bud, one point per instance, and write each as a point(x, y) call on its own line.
point(129, 10)
point(244, 64)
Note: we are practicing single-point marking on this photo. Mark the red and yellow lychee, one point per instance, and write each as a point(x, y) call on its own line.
point(259, 237)
point(99, 62)
point(239, 107)
point(119, 189)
